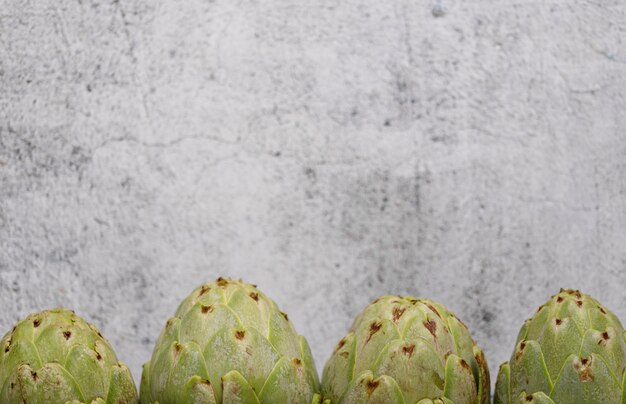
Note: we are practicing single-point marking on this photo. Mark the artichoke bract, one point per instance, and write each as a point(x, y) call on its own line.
point(56, 357)
point(572, 350)
point(406, 350)
point(229, 343)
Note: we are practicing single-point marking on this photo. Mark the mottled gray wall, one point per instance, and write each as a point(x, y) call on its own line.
point(473, 152)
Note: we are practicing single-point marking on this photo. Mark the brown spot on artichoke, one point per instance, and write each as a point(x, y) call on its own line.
point(573, 292)
point(518, 353)
point(36, 322)
point(431, 326)
point(480, 357)
point(397, 312)
point(374, 328)
point(371, 386)
point(583, 368)
point(254, 296)
point(434, 310)
point(340, 344)
point(408, 350)
point(67, 334)
point(240, 334)
point(203, 290)
point(206, 309)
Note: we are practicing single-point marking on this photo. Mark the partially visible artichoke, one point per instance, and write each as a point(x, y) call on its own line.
point(572, 350)
point(406, 350)
point(229, 343)
point(56, 357)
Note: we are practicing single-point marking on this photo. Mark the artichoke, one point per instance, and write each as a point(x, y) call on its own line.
point(56, 357)
point(406, 350)
point(572, 350)
point(229, 343)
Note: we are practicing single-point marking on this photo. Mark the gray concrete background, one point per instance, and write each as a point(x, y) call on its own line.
point(472, 152)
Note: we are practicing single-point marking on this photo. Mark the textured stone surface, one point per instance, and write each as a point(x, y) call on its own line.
point(472, 152)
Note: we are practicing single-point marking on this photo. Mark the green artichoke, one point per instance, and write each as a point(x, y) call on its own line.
point(229, 343)
point(572, 350)
point(406, 350)
point(56, 357)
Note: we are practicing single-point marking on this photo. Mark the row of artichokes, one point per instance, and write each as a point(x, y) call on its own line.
point(229, 343)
